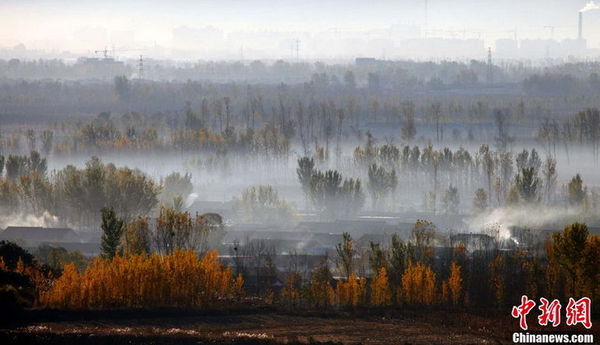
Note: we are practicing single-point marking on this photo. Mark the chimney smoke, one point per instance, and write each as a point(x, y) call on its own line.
point(590, 6)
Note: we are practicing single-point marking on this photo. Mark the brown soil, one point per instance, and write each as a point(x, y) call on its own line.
point(264, 327)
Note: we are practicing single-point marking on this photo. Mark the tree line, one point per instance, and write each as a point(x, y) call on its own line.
point(404, 273)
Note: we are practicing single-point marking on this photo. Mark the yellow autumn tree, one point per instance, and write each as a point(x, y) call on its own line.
point(555, 276)
point(350, 293)
point(590, 268)
point(445, 292)
point(180, 279)
point(530, 269)
point(320, 292)
point(418, 284)
point(381, 294)
point(497, 281)
point(455, 283)
point(574, 261)
point(136, 238)
point(290, 294)
point(27, 279)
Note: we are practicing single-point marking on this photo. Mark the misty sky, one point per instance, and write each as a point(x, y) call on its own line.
point(79, 25)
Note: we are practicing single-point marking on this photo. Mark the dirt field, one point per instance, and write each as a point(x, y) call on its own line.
point(265, 327)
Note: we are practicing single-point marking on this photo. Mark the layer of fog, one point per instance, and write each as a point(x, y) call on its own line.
point(226, 182)
point(222, 184)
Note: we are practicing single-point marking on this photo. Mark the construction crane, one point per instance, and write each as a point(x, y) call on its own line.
point(111, 53)
point(104, 51)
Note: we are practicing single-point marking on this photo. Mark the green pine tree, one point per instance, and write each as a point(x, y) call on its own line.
point(112, 228)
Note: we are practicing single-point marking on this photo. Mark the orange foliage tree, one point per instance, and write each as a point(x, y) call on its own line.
point(23, 280)
point(418, 284)
point(455, 283)
point(574, 261)
point(136, 237)
point(180, 279)
point(320, 293)
point(381, 294)
point(290, 294)
point(497, 267)
point(350, 293)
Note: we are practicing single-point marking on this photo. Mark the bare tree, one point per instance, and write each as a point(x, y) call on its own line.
point(345, 255)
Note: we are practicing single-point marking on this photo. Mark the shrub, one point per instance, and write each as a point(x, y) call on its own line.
point(180, 279)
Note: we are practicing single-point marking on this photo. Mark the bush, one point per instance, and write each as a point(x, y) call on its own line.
point(20, 277)
point(180, 279)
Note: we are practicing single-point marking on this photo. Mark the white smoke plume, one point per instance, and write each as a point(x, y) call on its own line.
point(532, 217)
point(45, 220)
point(190, 199)
point(590, 6)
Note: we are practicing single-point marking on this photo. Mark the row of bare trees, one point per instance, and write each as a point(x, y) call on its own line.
point(422, 271)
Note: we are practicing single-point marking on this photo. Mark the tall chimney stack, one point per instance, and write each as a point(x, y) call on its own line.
point(580, 37)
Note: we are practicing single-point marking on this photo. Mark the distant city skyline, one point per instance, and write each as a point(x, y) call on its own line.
point(231, 29)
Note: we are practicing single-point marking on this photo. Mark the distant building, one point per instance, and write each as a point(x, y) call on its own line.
point(539, 49)
point(203, 206)
point(99, 61)
point(381, 239)
point(365, 61)
point(356, 227)
point(473, 242)
point(37, 235)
